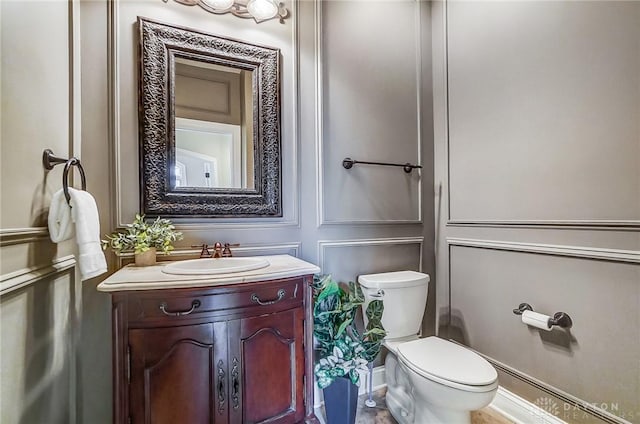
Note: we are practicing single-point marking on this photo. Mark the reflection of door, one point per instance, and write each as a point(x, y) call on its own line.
point(180, 172)
point(195, 169)
point(216, 143)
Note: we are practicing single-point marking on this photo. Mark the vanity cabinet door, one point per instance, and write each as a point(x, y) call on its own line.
point(178, 374)
point(266, 364)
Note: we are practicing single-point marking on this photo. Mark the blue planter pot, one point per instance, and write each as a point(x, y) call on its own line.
point(340, 401)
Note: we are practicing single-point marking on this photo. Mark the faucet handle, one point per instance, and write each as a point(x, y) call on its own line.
point(205, 250)
point(226, 253)
point(217, 249)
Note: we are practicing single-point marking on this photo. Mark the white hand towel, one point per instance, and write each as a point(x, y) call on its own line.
point(60, 224)
point(84, 212)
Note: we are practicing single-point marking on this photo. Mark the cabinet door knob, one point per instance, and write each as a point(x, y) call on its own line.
point(256, 299)
point(194, 305)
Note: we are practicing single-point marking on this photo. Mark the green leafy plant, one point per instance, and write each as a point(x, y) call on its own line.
point(140, 236)
point(342, 348)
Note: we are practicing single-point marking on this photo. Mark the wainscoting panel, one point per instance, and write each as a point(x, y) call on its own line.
point(487, 284)
point(346, 259)
point(39, 316)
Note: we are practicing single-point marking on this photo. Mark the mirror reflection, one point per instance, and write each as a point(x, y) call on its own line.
point(214, 131)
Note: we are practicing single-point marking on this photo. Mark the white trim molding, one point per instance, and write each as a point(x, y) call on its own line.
point(521, 411)
point(612, 255)
point(10, 236)
point(319, 124)
point(619, 225)
point(24, 277)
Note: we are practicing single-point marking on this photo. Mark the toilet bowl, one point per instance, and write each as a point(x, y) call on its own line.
point(429, 380)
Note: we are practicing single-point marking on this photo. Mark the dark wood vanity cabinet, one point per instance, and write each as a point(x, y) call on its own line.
point(227, 354)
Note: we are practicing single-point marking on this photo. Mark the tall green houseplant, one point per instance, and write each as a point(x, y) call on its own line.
point(343, 348)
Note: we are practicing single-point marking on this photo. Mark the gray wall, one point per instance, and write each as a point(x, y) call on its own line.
point(377, 107)
point(40, 303)
point(537, 149)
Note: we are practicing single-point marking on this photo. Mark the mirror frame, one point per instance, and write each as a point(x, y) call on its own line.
point(160, 44)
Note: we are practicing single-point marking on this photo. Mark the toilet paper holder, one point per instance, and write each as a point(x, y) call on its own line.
point(560, 319)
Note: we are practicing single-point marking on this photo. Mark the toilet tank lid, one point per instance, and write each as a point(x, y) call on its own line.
point(396, 279)
point(448, 361)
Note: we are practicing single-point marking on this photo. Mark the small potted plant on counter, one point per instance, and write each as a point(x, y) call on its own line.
point(145, 239)
point(343, 349)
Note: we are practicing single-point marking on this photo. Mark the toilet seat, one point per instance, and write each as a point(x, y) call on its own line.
point(449, 364)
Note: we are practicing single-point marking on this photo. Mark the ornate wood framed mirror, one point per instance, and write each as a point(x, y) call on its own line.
point(209, 125)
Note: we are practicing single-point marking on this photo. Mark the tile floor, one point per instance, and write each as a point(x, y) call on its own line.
point(380, 414)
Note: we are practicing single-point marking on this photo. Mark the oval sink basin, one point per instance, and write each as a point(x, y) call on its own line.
point(214, 266)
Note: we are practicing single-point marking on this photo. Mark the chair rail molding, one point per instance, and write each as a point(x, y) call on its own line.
point(11, 236)
point(24, 277)
point(595, 253)
point(619, 225)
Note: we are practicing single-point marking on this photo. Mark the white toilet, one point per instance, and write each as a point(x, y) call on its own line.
point(430, 380)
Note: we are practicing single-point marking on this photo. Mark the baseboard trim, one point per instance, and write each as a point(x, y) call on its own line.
point(521, 411)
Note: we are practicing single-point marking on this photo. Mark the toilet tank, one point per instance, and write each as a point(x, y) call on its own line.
point(404, 295)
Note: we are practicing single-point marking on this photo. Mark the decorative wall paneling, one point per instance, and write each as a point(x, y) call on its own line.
point(481, 186)
point(385, 254)
point(23, 277)
point(557, 280)
point(576, 236)
point(557, 397)
point(39, 289)
point(365, 192)
point(124, 194)
point(39, 345)
point(613, 255)
point(620, 225)
point(11, 236)
point(299, 231)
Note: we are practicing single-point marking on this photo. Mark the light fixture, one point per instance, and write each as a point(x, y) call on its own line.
point(259, 10)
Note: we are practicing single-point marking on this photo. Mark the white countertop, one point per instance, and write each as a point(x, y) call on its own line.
point(152, 278)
